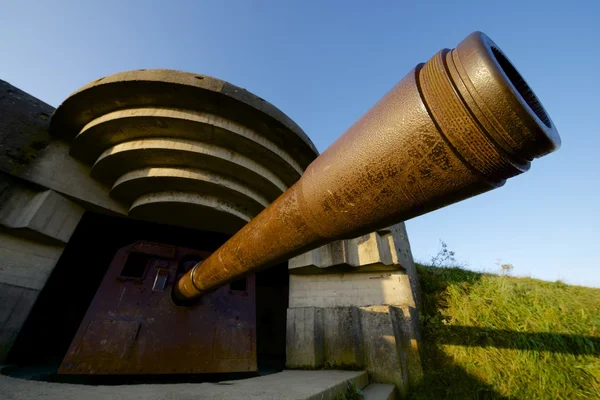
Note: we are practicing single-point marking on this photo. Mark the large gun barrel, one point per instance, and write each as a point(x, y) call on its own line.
point(454, 127)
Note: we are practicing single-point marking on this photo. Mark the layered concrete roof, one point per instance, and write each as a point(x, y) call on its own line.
point(183, 148)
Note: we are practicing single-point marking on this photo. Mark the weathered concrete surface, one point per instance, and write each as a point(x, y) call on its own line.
point(35, 225)
point(405, 259)
point(25, 265)
point(24, 124)
point(24, 262)
point(382, 250)
point(134, 184)
point(133, 124)
point(304, 336)
point(342, 337)
point(405, 321)
point(381, 339)
point(379, 391)
point(350, 289)
point(15, 304)
point(136, 154)
point(383, 355)
point(28, 152)
point(223, 153)
point(286, 385)
point(375, 248)
point(365, 289)
point(177, 90)
point(42, 214)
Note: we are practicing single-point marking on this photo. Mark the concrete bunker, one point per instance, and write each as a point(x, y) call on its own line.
point(186, 151)
point(177, 163)
point(181, 160)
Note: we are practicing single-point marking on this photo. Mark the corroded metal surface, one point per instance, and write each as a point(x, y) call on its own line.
point(455, 127)
point(133, 327)
point(183, 149)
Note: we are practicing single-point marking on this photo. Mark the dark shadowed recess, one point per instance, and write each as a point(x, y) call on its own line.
point(62, 304)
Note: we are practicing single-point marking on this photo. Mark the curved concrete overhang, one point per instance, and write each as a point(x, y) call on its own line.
point(183, 148)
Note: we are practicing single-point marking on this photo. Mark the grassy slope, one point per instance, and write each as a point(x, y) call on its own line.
point(488, 336)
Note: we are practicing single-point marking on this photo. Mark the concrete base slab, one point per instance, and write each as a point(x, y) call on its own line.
point(379, 391)
point(288, 385)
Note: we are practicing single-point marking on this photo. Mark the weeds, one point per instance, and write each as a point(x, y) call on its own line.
point(444, 257)
point(352, 393)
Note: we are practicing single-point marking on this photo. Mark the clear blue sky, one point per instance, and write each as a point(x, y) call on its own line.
point(324, 63)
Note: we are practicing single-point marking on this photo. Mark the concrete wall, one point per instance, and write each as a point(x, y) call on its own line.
point(37, 216)
point(353, 304)
point(27, 152)
point(24, 267)
point(354, 288)
point(35, 226)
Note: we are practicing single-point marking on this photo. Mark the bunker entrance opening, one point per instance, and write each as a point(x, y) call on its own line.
point(106, 315)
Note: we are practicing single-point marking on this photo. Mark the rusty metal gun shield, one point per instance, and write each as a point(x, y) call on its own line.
point(133, 327)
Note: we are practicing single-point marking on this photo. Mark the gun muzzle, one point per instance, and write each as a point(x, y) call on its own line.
point(454, 127)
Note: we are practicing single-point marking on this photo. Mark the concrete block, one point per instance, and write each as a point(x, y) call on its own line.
point(15, 304)
point(367, 289)
point(351, 289)
point(343, 346)
point(381, 250)
point(379, 391)
point(405, 258)
point(373, 248)
point(405, 321)
point(398, 238)
point(39, 213)
point(305, 338)
point(26, 263)
point(384, 340)
point(382, 358)
point(55, 169)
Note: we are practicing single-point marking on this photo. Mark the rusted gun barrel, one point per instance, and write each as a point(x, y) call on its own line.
point(454, 127)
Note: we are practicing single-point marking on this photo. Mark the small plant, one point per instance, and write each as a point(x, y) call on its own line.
point(351, 393)
point(506, 268)
point(444, 257)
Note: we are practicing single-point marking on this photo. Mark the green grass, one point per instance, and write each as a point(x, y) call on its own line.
point(499, 337)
